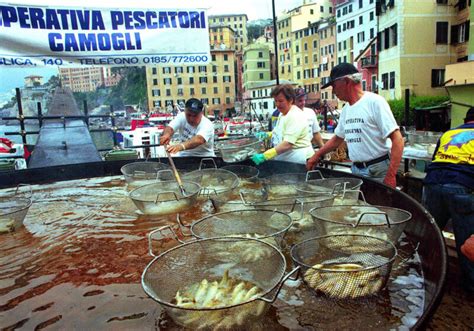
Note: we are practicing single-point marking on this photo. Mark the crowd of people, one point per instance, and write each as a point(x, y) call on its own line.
point(375, 147)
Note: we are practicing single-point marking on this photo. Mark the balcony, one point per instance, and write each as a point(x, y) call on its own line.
point(369, 61)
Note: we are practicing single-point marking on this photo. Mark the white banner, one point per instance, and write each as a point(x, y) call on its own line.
point(74, 36)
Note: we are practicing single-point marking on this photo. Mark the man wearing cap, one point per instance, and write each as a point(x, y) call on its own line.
point(448, 190)
point(313, 125)
point(366, 124)
point(196, 131)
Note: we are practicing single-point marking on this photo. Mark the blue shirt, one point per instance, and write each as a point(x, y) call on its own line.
point(446, 172)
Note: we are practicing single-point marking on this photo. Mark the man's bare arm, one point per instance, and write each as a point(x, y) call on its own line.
point(395, 158)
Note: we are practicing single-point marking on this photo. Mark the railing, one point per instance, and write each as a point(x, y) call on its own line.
point(40, 118)
point(369, 61)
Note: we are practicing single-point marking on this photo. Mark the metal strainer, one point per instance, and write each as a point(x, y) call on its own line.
point(268, 225)
point(184, 266)
point(345, 266)
point(383, 222)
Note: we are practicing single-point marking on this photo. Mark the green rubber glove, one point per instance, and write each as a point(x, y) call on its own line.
point(258, 158)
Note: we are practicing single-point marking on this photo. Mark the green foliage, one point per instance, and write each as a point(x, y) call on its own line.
point(130, 90)
point(53, 82)
point(398, 106)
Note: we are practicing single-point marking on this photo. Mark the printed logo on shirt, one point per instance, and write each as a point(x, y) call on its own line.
point(353, 131)
point(456, 146)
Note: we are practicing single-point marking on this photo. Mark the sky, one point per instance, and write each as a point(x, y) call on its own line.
point(255, 9)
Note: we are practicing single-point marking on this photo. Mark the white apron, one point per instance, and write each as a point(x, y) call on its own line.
point(295, 155)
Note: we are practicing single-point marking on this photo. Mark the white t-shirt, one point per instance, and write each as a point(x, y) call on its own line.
point(365, 126)
point(205, 129)
point(313, 125)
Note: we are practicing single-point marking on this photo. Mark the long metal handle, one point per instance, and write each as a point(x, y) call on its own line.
point(175, 172)
point(274, 293)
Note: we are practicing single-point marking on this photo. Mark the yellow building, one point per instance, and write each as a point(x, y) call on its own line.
point(414, 46)
point(238, 23)
point(288, 23)
point(213, 84)
point(327, 57)
point(221, 37)
point(82, 79)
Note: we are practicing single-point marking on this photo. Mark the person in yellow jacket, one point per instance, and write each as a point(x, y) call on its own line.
point(290, 136)
point(448, 191)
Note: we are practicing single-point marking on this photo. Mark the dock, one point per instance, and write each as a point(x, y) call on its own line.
point(63, 141)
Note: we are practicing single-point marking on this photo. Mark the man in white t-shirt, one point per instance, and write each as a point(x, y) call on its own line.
point(313, 125)
point(366, 124)
point(196, 131)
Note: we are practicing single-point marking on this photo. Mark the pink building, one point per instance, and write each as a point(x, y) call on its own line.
point(367, 63)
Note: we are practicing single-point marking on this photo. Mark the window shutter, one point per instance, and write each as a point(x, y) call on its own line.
point(433, 78)
point(467, 30)
point(454, 34)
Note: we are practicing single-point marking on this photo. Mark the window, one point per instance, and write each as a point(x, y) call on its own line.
point(297, 48)
point(179, 81)
point(216, 101)
point(202, 79)
point(364, 85)
point(361, 3)
point(311, 11)
point(191, 80)
point(214, 79)
point(386, 38)
point(155, 92)
point(168, 92)
point(371, 16)
point(226, 79)
point(260, 75)
point(260, 54)
point(437, 77)
point(226, 57)
point(374, 83)
point(157, 103)
point(392, 80)
point(227, 100)
point(260, 64)
point(205, 101)
point(166, 70)
point(226, 68)
point(191, 91)
point(216, 90)
point(202, 69)
point(361, 20)
point(227, 89)
point(153, 71)
point(180, 91)
point(394, 34)
point(178, 70)
point(442, 2)
point(372, 33)
point(384, 81)
point(315, 44)
point(441, 32)
point(321, 9)
point(190, 70)
point(203, 90)
point(167, 81)
point(155, 81)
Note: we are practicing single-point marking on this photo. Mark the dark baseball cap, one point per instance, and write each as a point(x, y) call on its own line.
point(339, 71)
point(469, 115)
point(194, 105)
point(299, 92)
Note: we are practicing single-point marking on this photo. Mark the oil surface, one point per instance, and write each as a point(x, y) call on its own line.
point(78, 260)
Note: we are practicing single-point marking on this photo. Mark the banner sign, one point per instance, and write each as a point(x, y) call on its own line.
point(72, 36)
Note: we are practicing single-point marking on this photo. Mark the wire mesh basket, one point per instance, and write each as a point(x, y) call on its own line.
point(283, 185)
point(267, 225)
point(384, 222)
point(335, 186)
point(213, 181)
point(244, 172)
point(13, 210)
point(207, 284)
point(345, 266)
point(165, 197)
point(137, 174)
